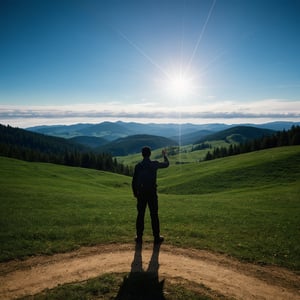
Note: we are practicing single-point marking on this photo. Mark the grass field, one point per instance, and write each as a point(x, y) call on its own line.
point(184, 156)
point(247, 206)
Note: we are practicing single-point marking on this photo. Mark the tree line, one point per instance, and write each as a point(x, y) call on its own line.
point(34, 147)
point(281, 138)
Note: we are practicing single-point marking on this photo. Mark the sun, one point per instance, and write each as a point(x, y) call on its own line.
point(179, 85)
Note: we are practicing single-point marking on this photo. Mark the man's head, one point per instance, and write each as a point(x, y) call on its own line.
point(146, 151)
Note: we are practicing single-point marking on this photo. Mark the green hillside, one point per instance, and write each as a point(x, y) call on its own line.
point(184, 154)
point(258, 169)
point(25, 140)
point(134, 143)
point(46, 208)
point(89, 141)
point(237, 134)
point(246, 206)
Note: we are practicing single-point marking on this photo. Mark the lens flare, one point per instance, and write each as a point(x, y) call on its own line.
point(179, 85)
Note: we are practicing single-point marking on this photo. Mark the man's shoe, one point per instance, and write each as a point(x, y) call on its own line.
point(138, 240)
point(158, 239)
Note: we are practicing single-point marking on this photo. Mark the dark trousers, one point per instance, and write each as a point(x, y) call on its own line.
point(151, 199)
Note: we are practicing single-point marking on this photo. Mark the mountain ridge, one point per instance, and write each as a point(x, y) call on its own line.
point(237, 134)
point(114, 130)
point(133, 144)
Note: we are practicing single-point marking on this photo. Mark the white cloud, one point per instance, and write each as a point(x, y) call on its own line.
point(225, 112)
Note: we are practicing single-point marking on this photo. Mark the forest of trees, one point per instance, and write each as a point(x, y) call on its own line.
point(281, 138)
point(34, 147)
point(201, 146)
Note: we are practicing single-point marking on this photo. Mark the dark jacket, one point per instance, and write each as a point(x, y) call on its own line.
point(148, 181)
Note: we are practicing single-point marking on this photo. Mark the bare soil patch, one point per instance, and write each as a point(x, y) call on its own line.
point(222, 274)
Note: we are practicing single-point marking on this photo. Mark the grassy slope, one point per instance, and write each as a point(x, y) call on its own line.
point(247, 206)
point(256, 169)
point(47, 208)
point(185, 156)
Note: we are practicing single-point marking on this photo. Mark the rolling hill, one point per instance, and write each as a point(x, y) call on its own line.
point(134, 143)
point(190, 138)
point(245, 206)
point(31, 146)
point(127, 144)
point(237, 134)
point(107, 130)
point(26, 140)
point(259, 169)
point(90, 141)
point(64, 131)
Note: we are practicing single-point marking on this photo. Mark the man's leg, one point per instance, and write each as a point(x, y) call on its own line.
point(153, 207)
point(141, 207)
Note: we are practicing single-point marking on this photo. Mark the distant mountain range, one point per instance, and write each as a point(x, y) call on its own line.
point(113, 130)
point(105, 132)
point(122, 138)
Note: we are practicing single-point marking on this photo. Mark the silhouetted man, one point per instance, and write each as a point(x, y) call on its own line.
point(144, 189)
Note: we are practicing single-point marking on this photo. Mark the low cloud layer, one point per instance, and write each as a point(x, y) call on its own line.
point(228, 112)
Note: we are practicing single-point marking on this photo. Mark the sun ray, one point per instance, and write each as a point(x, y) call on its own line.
point(178, 83)
point(143, 53)
point(200, 36)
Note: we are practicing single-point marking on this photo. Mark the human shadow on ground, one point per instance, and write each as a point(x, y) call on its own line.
point(141, 284)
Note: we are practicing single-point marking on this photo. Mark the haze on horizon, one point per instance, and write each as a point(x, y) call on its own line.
point(196, 61)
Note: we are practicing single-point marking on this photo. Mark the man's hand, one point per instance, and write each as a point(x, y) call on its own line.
point(164, 153)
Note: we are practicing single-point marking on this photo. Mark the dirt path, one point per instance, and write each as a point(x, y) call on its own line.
point(222, 274)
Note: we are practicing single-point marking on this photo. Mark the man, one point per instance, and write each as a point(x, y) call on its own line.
point(144, 189)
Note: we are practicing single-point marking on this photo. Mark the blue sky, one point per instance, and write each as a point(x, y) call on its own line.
point(201, 61)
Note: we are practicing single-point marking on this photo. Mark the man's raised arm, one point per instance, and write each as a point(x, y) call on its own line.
point(165, 163)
